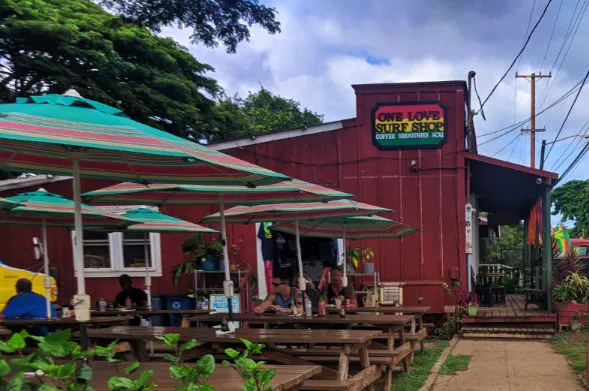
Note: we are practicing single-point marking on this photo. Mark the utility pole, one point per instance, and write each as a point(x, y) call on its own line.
point(532, 77)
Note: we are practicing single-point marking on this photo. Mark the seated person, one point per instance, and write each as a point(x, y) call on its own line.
point(335, 289)
point(26, 304)
point(137, 296)
point(282, 298)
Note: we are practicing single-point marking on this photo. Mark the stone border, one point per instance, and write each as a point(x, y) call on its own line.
point(431, 380)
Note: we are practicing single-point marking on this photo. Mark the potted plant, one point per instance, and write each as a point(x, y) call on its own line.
point(571, 296)
point(473, 305)
point(199, 255)
point(359, 256)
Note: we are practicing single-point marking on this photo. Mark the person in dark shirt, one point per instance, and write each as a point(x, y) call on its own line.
point(138, 297)
point(26, 304)
point(336, 290)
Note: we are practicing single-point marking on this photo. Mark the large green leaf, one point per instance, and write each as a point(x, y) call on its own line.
point(4, 368)
point(85, 372)
point(205, 365)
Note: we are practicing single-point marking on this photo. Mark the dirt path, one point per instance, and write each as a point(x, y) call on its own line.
point(510, 366)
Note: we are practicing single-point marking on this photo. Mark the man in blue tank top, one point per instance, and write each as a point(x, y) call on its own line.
point(282, 298)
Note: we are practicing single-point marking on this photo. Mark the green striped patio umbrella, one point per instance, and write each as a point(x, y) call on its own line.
point(149, 220)
point(59, 134)
point(168, 194)
point(298, 212)
point(359, 227)
point(48, 209)
point(7, 204)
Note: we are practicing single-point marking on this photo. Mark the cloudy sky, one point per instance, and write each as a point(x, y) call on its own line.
point(325, 46)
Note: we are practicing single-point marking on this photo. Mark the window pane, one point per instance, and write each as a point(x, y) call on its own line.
point(131, 235)
point(97, 256)
point(134, 255)
point(95, 235)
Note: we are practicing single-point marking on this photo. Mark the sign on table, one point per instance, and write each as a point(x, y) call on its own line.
point(219, 303)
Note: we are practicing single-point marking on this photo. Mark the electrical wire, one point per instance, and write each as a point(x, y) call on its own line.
point(575, 161)
point(518, 55)
point(584, 130)
point(527, 30)
point(569, 112)
point(551, 35)
point(506, 145)
point(572, 28)
point(519, 124)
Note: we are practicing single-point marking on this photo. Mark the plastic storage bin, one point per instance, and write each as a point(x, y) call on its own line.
point(178, 303)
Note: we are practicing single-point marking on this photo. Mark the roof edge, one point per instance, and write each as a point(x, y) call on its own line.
point(509, 165)
point(278, 135)
point(411, 84)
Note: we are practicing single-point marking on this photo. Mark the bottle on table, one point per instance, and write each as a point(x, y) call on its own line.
point(321, 310)
point(128, 303)
point(102, 304)
point(293, 308)
point(308, 308)
point(342, 312)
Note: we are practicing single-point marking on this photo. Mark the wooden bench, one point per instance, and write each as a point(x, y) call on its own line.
point(354, 383)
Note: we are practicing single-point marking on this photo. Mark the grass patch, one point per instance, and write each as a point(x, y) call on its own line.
point(454, 364)
point(573, 345)
point(421, 367)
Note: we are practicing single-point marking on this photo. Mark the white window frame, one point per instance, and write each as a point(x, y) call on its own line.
point(117, 263)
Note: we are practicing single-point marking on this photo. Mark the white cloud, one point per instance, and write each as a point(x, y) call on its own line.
point(325, 47)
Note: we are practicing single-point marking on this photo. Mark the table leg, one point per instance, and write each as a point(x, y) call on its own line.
point(365, 363)
point(84, 336)
point(406, 359)
point(413, 325)
point(344, 363)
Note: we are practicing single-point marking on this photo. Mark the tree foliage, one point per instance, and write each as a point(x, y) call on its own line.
point(49, 46)
point(572, 201)
point(506, 249)
point(262, 112)
point(211, 21)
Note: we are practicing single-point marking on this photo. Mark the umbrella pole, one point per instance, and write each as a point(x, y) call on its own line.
point(302, 285)
point(147, 276)
point(227, 284)
point(46, 278)
point(81, 299)
point(345, 277)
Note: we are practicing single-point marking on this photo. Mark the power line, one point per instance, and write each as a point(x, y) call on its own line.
point(574, 21)
point(507, 145)
point(527, 30)
point(569, 112)
point(575, 161)
point(584, 129)
point(518, 55)
point(551, 34)
point(516, 125)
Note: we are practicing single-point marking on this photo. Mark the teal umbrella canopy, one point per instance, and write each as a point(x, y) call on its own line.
point(150, 220)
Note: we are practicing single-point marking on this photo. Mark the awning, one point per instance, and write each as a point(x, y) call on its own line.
point(504, 188)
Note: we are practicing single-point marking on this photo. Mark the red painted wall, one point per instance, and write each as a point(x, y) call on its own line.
point(431, 199)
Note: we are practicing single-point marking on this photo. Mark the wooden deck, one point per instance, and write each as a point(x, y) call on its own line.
point(512, 312)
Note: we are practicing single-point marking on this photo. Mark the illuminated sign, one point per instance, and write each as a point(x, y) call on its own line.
point(409, 125)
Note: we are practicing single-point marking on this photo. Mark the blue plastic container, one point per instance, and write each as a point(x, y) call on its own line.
point(178, 303)
point(156, 304)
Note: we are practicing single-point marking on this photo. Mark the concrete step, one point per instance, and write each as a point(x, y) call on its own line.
point(507, 331)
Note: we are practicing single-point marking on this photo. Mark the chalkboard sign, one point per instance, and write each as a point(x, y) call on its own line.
point(219, 303)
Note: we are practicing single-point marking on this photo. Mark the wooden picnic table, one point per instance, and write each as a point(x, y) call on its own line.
point(351, 343)
point(392, 325)
point(116, 312)
point(185, 314)
point(417, 311)
point(69, 321)
point(288, 377)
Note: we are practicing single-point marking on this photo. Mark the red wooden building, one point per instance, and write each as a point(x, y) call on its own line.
point(409, 148)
